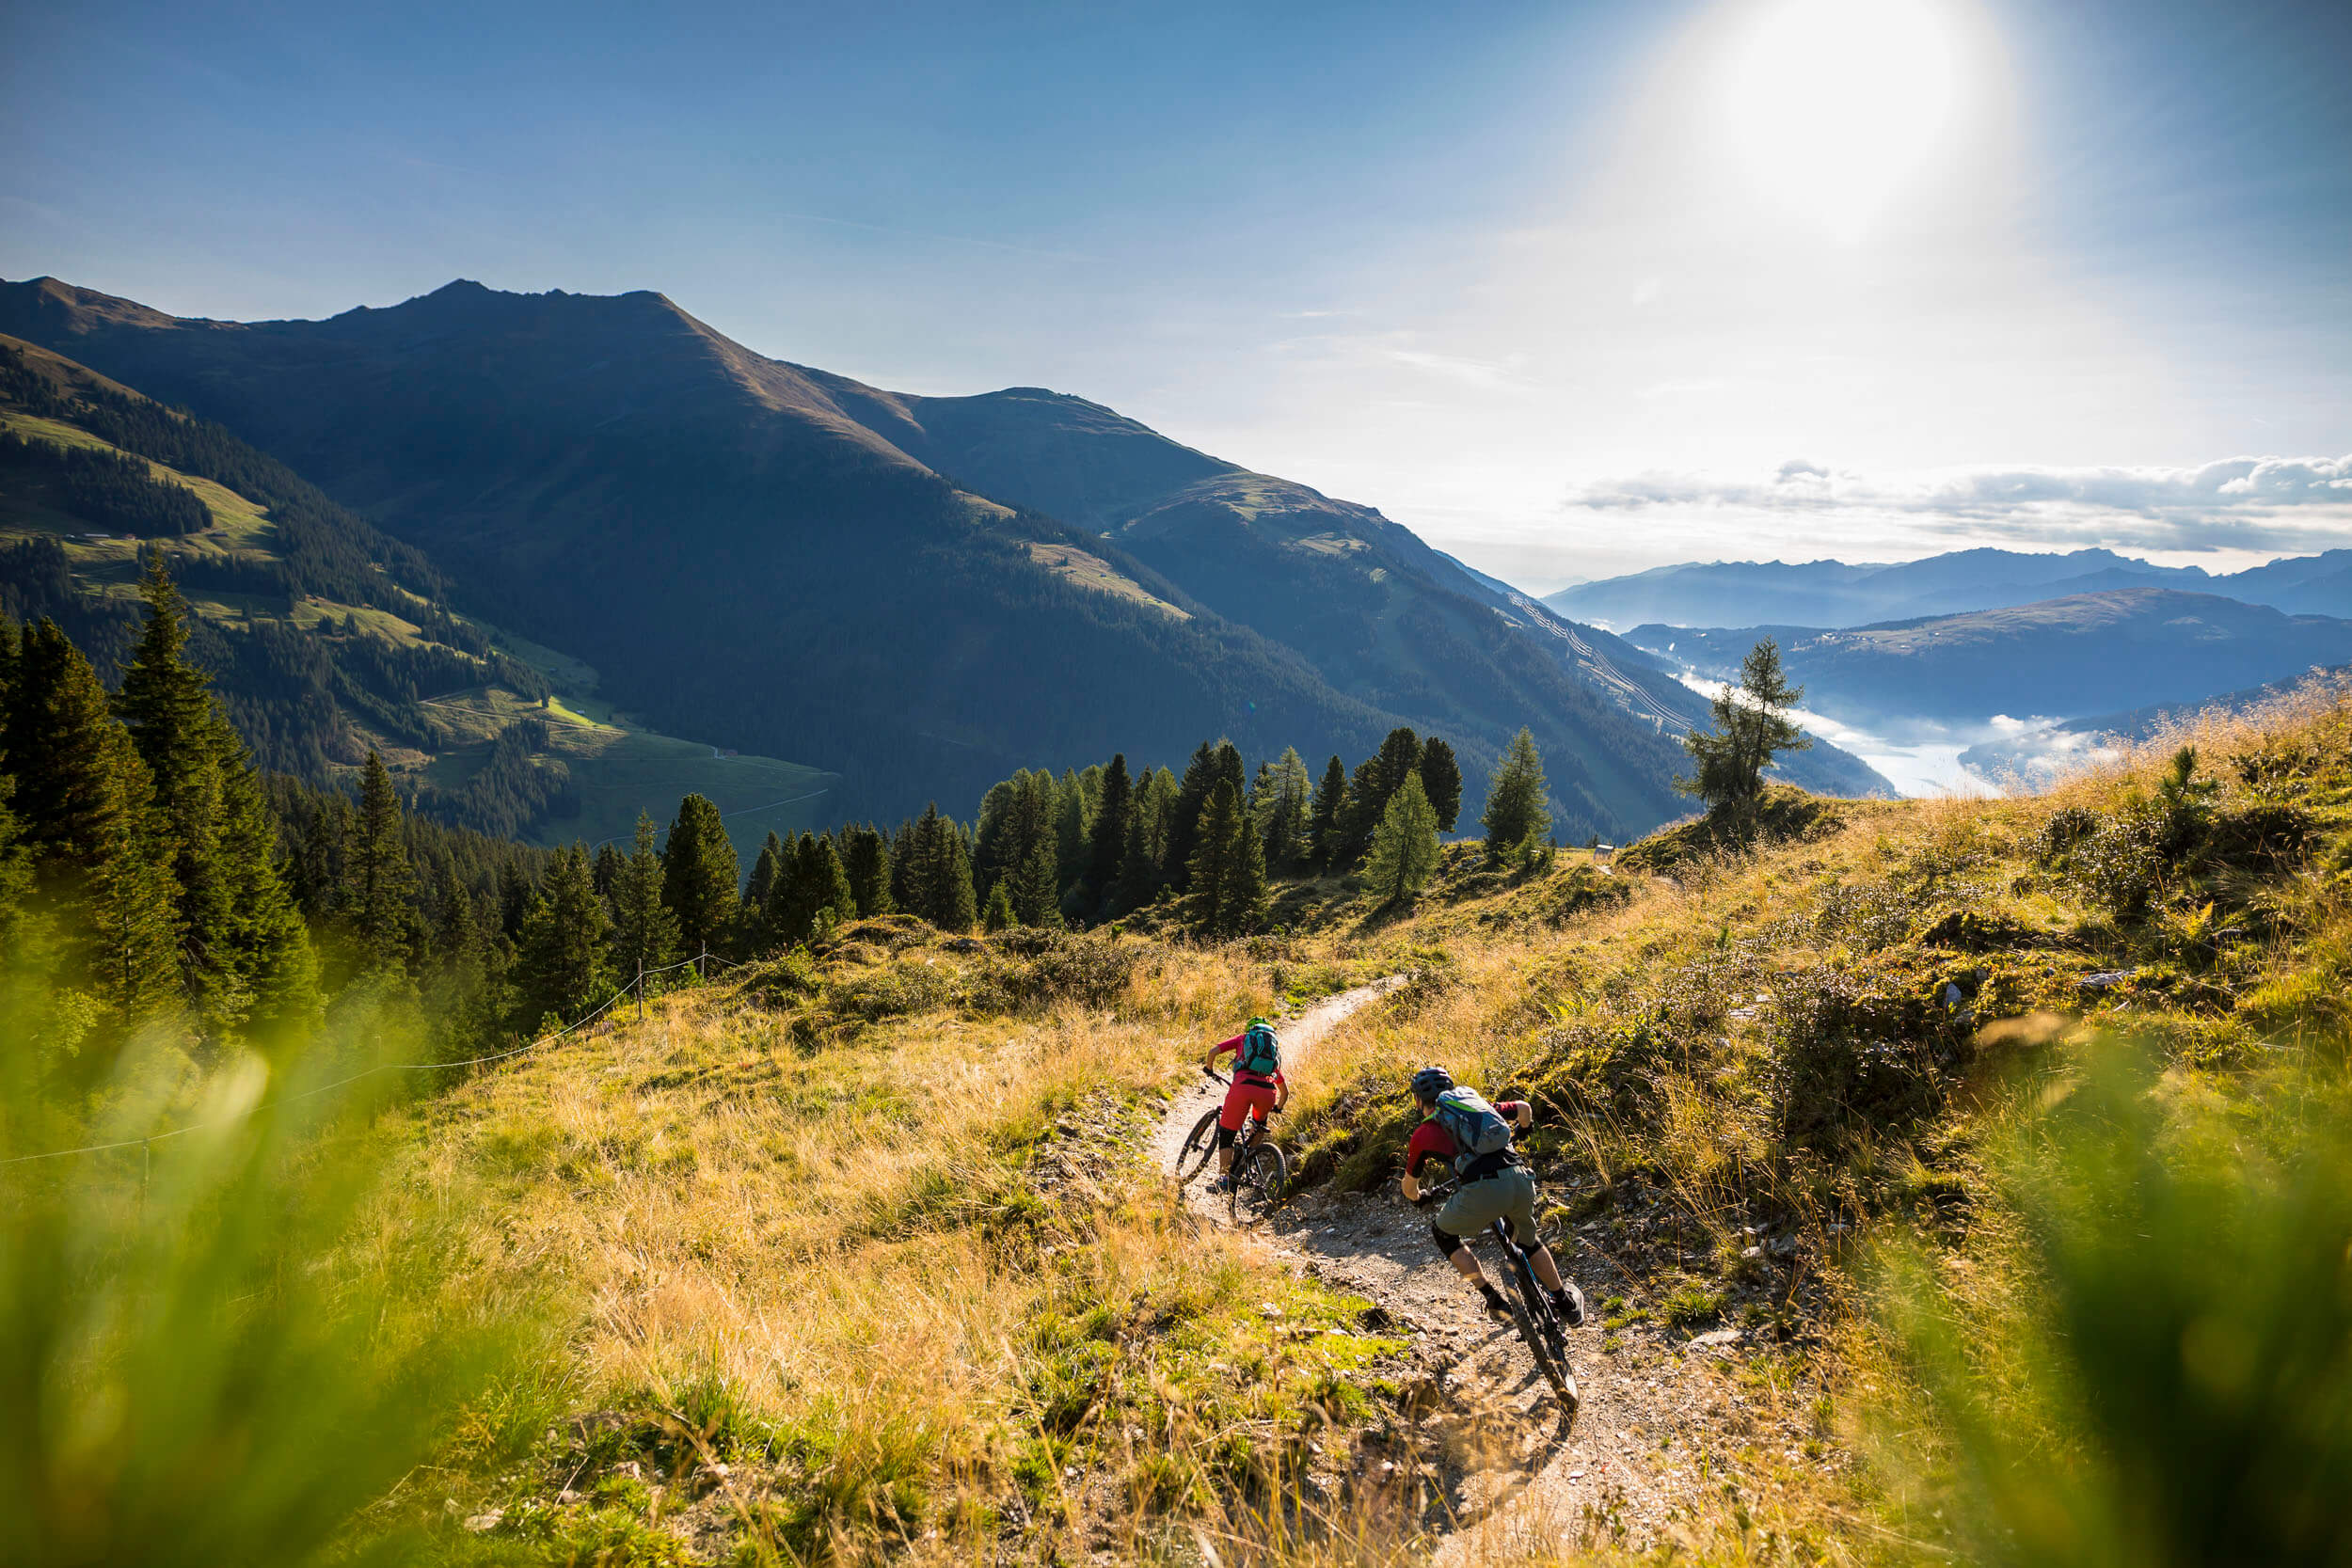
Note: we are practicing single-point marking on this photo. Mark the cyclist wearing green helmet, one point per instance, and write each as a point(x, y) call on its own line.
point(1258, 1088)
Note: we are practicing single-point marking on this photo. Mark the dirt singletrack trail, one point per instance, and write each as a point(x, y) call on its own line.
point(1622, 1472)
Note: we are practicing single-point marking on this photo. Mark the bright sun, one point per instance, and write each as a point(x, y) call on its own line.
point(1832, 104)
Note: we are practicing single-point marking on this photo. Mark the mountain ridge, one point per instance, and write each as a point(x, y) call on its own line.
point(745, 547)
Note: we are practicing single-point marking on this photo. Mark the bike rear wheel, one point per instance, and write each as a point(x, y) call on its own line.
point(1201, 1143)
point(1259, 1179)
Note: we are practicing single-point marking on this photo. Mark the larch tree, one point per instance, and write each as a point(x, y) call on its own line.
point(1751, 727)
point(1515, 814)
point(1404, 847)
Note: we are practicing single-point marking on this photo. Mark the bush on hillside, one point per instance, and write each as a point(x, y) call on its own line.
point(1782, 813)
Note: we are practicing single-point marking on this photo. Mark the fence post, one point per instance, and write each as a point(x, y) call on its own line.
point(641, 988)
point(702, 965)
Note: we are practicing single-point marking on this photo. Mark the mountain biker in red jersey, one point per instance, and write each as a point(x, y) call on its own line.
point(1258, 1087)
point(1493, 1186)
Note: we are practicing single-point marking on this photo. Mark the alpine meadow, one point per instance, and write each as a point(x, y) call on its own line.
point(617, 949)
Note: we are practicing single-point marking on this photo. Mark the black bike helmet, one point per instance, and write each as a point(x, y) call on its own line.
point(1431, 1081)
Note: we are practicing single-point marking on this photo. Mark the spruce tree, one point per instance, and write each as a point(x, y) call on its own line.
point(1215, 869)
point(1192, 798)
point(1036, 887)
point(1515, 814)
point(165, 702)
point(1405, 848)
point(902, 883)
point(699, 876)
point(268, 947)
point(565, 968)
point(999, 913)
point(1441, 780)
point(940, 877)
point(829, 881)
point(1281, 808)
point(1358, 814)
point(760, 894)
point(868, 867)
point(1244, 906)
point(135, 953)
point(606, 869)
point(1322, 821)
point(381, 879)
point(1106, 843)
point(645, 932)
point(1074, 803)
point(71, 797)
point(1399, 759)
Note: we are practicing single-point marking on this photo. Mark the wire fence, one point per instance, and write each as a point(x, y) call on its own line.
point(702, 964)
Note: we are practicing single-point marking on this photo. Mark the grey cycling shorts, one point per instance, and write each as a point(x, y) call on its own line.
point(1510, 1192)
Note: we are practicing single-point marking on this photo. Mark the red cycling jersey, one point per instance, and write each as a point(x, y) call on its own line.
point(1431, 1141)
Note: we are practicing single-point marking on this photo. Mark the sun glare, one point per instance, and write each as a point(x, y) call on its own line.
point(1833, 104)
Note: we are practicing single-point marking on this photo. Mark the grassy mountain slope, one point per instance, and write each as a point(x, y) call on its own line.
point(2091, 653)
point(325, 637)
point(771, 555)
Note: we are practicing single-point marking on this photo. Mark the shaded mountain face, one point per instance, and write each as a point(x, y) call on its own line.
point(1834, 593)
point(919, 592)
point(2067, 658)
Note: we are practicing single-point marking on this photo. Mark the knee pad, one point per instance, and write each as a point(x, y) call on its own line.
point(1448, 1242)
point(1225, 1136)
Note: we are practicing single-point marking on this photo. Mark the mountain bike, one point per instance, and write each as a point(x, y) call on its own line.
point(1547, 1337)
point(1261, 1173)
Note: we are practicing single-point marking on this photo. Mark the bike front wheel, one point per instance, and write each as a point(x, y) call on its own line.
point(1201, 1143)
point(1545, 1340)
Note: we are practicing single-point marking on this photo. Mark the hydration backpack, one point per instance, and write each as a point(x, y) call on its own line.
point(1478, 1127)
point(1259, 1053)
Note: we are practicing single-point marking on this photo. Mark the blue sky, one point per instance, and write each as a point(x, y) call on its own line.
point(1570, 290)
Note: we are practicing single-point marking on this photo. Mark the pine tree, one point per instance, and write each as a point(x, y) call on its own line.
point(1106, 843)
point(1323, 822)
point(829, 878)
point(868, 867)
point(1405, 849)
point(1515, 814)
point(1751, 726)
point(135, 952)
point(700, 877)
point(902, 888)
point(1399, 759)
point(645, 932)
point(999, 914)
point(564, 968)
point(165, 702)
point(382, 882)
point(1441, 780)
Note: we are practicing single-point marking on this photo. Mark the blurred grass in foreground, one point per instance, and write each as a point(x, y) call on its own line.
point(2159, 1371)
point(194, 1369)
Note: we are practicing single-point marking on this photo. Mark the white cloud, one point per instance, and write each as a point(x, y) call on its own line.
point(2234, 503)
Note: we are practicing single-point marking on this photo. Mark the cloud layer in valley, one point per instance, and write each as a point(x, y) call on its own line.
point(2235, 505)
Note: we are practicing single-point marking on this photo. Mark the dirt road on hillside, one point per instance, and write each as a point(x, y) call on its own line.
point(1626, 1468)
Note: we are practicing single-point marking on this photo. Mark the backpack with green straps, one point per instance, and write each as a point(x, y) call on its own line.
point(1259, 1052)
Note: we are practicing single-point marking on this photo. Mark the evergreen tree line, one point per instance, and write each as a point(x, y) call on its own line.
point(106, 487)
